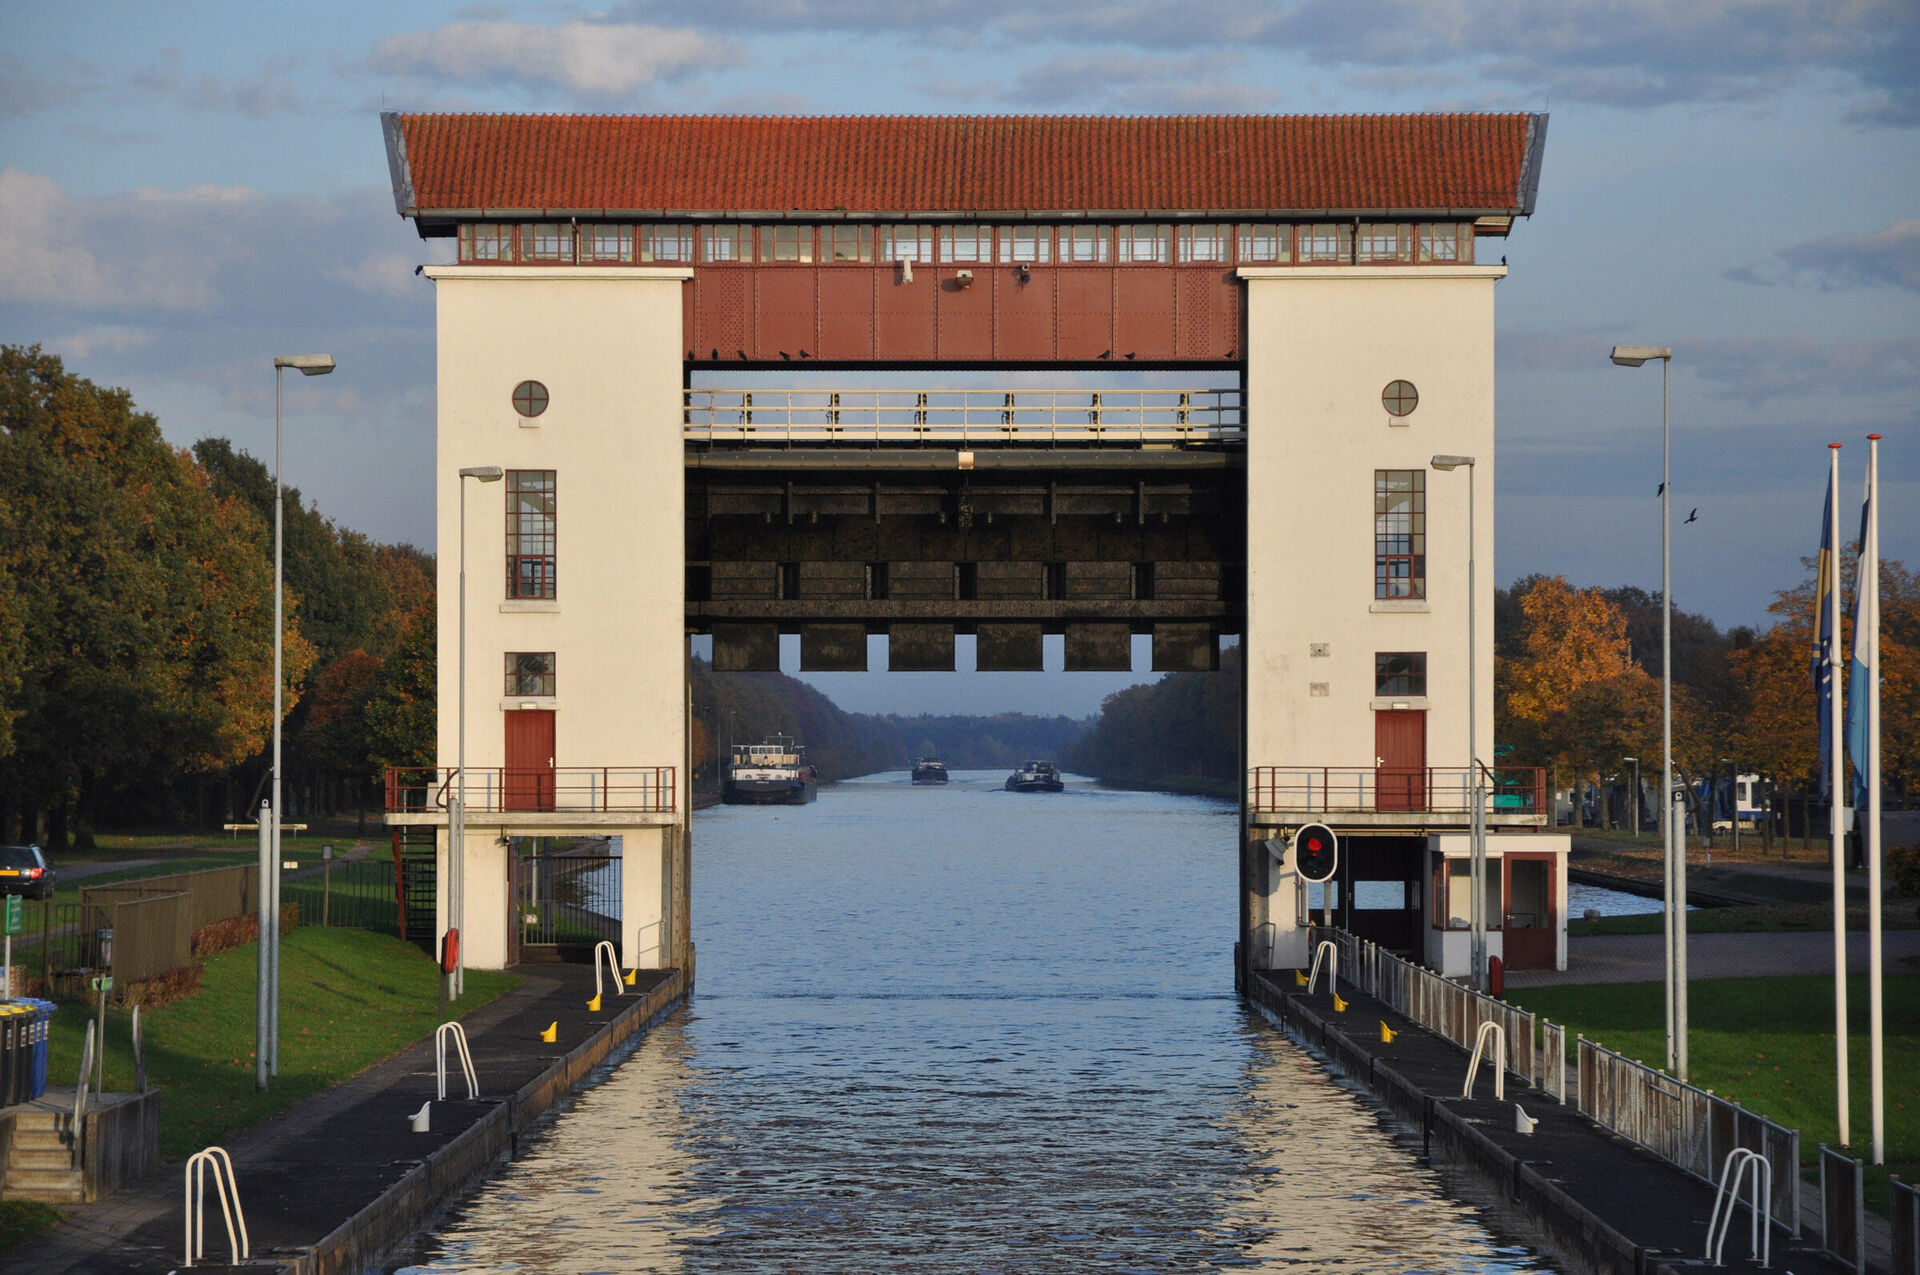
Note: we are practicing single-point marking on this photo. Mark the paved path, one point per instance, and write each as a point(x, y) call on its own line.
point(1640, 958)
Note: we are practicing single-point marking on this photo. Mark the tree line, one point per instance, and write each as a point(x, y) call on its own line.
point(136, 624)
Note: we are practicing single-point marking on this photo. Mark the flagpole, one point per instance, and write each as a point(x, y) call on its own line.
point(1836, 753)
point(1870, 617)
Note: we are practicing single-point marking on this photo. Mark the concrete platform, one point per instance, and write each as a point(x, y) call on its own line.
point(1600, 1202)
point(340, 1179)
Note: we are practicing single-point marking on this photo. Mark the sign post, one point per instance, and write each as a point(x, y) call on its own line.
point(15, 911)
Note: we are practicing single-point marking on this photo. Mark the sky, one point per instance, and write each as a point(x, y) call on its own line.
point(188, 189)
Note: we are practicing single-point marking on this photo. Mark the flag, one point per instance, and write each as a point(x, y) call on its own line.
point(1863, 668)
point(1825, 582)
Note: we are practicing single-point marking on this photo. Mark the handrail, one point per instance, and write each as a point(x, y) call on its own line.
point(506, 789)
point(613, 963)
point(459, 1035)
point(1489, 1028)
point(1759, 1206)
point(225, 1184)
point(1375, 788)
point(80, 1102)
point(1331, 954)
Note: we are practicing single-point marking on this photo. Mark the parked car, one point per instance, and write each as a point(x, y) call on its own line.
point(24, 870)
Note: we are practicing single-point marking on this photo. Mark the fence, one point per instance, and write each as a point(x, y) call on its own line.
point(354, 894)
point(495, 789)
point(1685, 1125)
point(214, 893)
point(1437, 1003)
point(151, 934)
point(1511, 790)
point(1842, 1209)
point(1905, 1216)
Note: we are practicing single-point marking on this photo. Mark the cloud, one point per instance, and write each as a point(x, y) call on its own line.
point(1890, 256)
point(100, 339)
point(1136, 83)
point(268, 93)
point(1616, 52)
point(1762, 369)
point(593, 59)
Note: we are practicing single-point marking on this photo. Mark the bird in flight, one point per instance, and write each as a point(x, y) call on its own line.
point(1692, 517)
point(1660, 491)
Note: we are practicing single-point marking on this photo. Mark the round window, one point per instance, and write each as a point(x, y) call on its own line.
point(529, 398)
point(1400, 398)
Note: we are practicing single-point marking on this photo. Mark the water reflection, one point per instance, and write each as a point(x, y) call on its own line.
point(958, 1029)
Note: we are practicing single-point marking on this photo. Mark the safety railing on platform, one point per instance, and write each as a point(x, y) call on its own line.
point(1513, 790)
point(1436, 1003)
point(504, 790)
point(1904, 1214)
point(1843, 1229)
point(1552, 1077)
point(1685, 1125)
point(966, 418)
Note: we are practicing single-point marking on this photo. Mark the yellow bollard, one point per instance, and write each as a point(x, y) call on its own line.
point(1299, 978)
point(1339, 1006)
point(632, 975)
point(593, 1006)
point(552, 1033)
point(1386, 1033)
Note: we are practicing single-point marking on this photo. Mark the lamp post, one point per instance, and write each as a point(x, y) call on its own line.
point(1477, 888)
point(457, 820)
point(1671, 810)
point(268, 1022)
point(1633, 804)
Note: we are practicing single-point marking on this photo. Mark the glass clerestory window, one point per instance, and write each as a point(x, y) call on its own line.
point(530, 533)
point(605, 244)
point(906, 243)
point(1399, 533)
point(1266, 243)
point(666, 243)
point(1086, 243)
point(1024, 244)
point(1204, 243)
point(965, 245)
point(786, 243)
point(530, 673)
point(847, 243)
point(545, 241)
point(726, 243)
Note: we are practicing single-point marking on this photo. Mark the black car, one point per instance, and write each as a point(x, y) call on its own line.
point(24, 870)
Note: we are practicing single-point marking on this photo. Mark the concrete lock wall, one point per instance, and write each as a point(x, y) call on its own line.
point(1322, 346)
point(606, 344)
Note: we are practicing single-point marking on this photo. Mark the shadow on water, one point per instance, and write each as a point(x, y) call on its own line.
point(959, 1029)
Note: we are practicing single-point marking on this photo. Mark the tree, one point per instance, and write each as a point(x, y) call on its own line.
point(402, 726)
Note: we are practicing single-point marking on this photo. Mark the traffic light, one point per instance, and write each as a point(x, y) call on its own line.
point(1315, 852)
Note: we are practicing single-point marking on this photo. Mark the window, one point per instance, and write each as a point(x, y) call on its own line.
point(1026, 243)
point(666, 243)
point(1086, 243)
point(530, 398)
point(1383, 241)
point(726, 243)
point(1266, 242)
point(545, 241)
point(530, 537)
point(1446, 244)
point(607, 244)
point(486, 243)
point(1203, 243)
point(786, 243)
point(1146, 243)
point(1400, 398)
point(529, 673)
point(1399, 533)
point(847, 243)
point(1326, 243)
point(1453, 894)
point(966, 243)
point(906, 243)
point(1399, 673)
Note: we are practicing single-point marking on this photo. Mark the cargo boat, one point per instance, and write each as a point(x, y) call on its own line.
point(930, 770)
point(774, 772)
point(1036, 776)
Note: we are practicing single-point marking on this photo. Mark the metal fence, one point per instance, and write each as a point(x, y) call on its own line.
point(1686, 1125)
point(1512, 790)
point(1905, 1217)
point(1842, 1209)
point(352, 894)
point(214, 894)
point(1438, 1004)
point(966, 418)
point(497, 789)
point(1552, 1075)
point(567, 899)
point(151, 934)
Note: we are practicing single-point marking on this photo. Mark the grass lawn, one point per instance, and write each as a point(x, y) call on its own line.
point(1783, 918)
point(1767, 1043)
point(349, 998)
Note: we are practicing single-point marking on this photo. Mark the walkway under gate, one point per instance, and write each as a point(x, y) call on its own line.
point(565, 901)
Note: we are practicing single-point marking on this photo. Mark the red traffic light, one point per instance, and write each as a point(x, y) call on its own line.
point(1315, 852)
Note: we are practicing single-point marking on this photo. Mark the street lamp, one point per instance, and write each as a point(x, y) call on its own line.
point(267, 1024)
point(1633, 805)
point(1670, 811)
point(457, 822)
point(1477, 888)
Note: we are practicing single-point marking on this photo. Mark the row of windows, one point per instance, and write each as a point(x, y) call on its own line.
point(1265, 243)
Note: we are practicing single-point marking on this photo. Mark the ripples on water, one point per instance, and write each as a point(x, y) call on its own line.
point(958, 1029)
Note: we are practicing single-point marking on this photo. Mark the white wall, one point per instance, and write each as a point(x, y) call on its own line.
point(606, 342)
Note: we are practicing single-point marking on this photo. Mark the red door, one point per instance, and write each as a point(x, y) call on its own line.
point(1400, 759)
point(1531, 928)
point(528, 781)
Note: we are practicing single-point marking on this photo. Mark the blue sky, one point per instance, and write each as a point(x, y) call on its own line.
point(188, 189)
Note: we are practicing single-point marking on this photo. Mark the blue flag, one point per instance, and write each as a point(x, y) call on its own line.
point(1825, 582)
point(1859, 676)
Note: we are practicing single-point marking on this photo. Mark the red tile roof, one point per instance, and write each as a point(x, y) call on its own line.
point(820, 166)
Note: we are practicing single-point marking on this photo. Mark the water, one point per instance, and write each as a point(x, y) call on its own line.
point(960, 1029)
point(1582, 897)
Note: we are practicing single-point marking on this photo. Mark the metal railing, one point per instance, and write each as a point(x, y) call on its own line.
point(1685, 1125)
point(227, 1188)
point(1552, 1075)
point(1438, 1004)
point(1904, 1213)
point(966, 418)
point(1843, 1220)
point(1514, 790)
point(214, 894)
point(504, 790)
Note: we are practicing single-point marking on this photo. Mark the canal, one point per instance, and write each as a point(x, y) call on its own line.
point(959, 1029)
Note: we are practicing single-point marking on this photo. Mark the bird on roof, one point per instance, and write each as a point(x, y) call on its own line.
point(1128, 356)
point(1106, 354)
point(716, 352)
point(805, 355)
point(1659, 491)
point(786, 356)
point(1692, 517)
point(742, 354)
